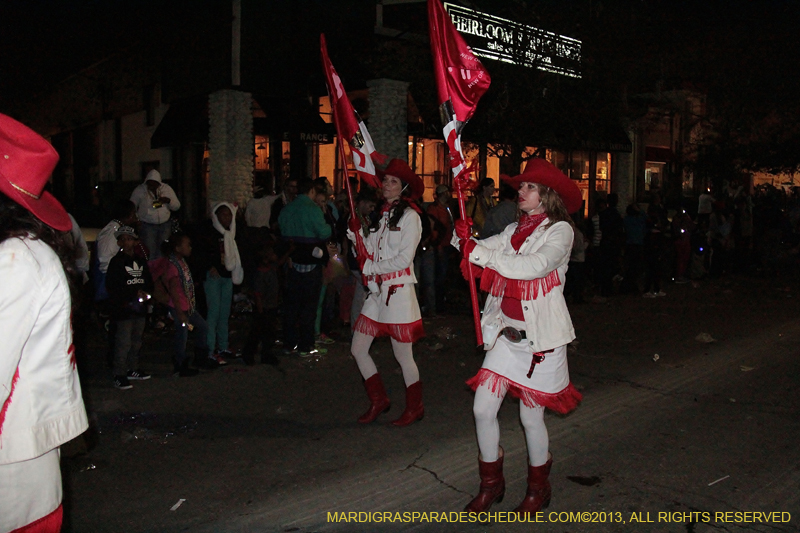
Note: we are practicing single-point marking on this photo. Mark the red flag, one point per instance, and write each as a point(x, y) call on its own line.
point(460, 76)
point(461, 80)
point(349, 125)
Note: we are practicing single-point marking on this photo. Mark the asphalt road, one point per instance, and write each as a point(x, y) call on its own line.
point(703, 430)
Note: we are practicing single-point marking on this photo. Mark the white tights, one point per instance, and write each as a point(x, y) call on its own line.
point(402, 352)
point(485, 409)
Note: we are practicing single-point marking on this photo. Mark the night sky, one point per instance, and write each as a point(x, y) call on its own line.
point(743, 54)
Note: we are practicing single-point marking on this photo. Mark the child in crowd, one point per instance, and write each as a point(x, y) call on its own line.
point(177, 291)
point(224, 270)
point(266, 290)
point(129, 287)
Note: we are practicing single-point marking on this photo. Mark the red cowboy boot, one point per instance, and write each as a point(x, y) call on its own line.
point(493, 486)
point(538, 495)
point(377, 397)
point(414, 409)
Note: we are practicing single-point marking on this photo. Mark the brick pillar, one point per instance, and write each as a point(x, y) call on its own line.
point(230, 142)
point(388, 117)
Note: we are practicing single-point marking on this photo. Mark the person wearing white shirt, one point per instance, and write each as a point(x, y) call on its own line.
point(155, 201)
point(106, 246)
point(259, 209)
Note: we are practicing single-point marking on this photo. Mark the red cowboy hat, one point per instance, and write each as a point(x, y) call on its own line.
point(540, 171)
point(400, 169)
point(26, 162)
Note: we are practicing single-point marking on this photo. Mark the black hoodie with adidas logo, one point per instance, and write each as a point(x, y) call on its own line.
point(126, 276)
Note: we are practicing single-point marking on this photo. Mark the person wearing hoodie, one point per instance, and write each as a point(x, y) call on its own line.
point(223, 271)
point(130, 287)
point(155, 201)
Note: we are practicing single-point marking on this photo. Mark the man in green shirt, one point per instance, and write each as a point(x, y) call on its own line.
point(303, 226)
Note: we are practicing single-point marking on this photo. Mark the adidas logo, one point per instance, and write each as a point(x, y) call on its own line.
point(135, 270)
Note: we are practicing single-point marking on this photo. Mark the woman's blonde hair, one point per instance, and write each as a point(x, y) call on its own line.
point(553, 206)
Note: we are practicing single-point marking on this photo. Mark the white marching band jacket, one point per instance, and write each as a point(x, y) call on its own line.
point(40, 394)
point(545, 251)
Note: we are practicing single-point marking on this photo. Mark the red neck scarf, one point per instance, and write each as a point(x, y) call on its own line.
point(527, 224)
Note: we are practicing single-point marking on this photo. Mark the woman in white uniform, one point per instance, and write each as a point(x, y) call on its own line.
point(387, 264)
point(40, 395)
point(526, 327)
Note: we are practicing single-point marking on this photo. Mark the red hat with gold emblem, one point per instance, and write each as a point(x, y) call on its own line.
point(540, 171)
point(26, 162)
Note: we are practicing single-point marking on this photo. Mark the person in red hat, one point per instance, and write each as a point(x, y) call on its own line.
point(40, 395)
point(525, 326)
point(391, 307)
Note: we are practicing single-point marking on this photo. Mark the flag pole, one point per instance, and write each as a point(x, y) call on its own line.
point(460, 184)
point(346, 178)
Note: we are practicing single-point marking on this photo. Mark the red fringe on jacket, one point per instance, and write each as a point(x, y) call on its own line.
point(399, 332)
point(530, 289)
point(561, 402)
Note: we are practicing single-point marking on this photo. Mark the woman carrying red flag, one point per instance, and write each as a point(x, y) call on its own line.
point(526, 327)
point(391, 308)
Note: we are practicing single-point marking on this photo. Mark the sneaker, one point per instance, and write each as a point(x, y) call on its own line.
point(661, 293)
point(138, 375)
point(218, 358)
point(122, 383)
point(227, 354)
point(313, 352)
point(323, 339)
point(649, 295)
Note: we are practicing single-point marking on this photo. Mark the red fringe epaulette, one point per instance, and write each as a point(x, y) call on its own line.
point(561, 402)
point(530, 289)
point(400, 332)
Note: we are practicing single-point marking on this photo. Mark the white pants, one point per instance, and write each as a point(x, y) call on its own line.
point(485, 409)
point(402, 352)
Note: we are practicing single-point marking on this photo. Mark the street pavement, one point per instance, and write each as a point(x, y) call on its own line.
point(670, 442)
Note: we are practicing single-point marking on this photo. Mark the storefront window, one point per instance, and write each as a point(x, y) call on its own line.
point(426, 158)
point(653, 175)
point(261, 153)
point(603, 172)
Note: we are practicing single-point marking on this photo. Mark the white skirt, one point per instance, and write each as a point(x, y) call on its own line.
point(396, 314)
point(508, 367)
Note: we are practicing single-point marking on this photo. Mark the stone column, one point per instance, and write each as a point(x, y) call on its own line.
point(230, 144)
point(623, 179)
point(388, 117)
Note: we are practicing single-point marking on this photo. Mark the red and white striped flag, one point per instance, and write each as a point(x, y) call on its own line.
point(349, 125)
point(461, 80)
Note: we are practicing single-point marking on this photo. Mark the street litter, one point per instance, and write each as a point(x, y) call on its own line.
point(705, 337)
point(175, 507)
point(746, 368)
point(445, 332)
point(656, 357)
point(88, 467)
point(717, 481)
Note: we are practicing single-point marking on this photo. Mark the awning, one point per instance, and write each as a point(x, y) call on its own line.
point(185, 122)
point(658, 154)
point(292, 120)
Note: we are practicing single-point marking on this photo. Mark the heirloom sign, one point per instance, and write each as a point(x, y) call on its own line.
point(515, 43)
